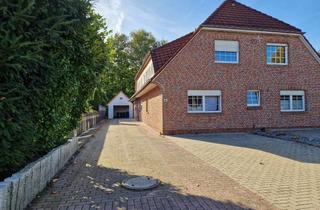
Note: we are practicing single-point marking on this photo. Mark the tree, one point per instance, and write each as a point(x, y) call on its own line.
point(141, 42)
point(52, 53)
point(126, 56)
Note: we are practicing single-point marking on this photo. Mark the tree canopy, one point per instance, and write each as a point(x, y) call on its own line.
point(126, 56)
point(52, 53)
point(57, 60)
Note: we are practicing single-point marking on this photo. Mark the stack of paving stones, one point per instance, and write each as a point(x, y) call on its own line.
point(290, 137)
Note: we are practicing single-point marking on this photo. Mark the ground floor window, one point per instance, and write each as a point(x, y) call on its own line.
point(204, 101)
point(292, 101)
point(195, 103)
point(253, 98)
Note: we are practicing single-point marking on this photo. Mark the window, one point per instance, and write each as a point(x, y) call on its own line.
point(253, 98)
point(226, 51)
point(204, 101)
point(285, 102)
point(277, 54)
point(146, 74)
point(226, 57)
point(292, 101)
point(147, 105)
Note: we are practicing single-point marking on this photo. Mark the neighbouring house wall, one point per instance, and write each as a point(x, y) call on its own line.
point(151, 109)
point(194, 69)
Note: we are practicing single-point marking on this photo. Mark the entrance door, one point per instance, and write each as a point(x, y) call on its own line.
point(120, 111)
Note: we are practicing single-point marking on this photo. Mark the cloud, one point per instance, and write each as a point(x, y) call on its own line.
point(125, 16)
point(113, 12)
point(115, 4)
point(119, 23)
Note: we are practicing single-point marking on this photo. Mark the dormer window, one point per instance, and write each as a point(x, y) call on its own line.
point(277, 54)
point(226, 51)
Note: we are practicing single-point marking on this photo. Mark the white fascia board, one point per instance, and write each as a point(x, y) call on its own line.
point(309, 47)
point(249, 31)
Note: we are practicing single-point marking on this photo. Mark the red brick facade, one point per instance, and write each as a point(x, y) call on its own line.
point(194, 68)
point(149, 109)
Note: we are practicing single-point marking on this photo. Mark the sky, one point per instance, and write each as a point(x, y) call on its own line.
point(170, 19)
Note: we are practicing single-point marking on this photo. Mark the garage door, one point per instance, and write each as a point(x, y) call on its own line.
point(120, 111)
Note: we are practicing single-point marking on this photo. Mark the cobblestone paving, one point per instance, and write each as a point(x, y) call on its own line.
point(287, 174)
point(124, 149)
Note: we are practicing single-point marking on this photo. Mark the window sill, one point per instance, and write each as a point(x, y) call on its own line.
point(254, 107)
point(277, 64)
point(292, 111)
point(222, 62)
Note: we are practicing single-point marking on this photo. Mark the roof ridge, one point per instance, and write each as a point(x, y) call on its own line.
point(215, 11)
point(266, 14)
point(232, 13)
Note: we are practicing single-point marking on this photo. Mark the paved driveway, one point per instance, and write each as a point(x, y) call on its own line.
point(287, 174)
point(123, 149)
point(308, 133)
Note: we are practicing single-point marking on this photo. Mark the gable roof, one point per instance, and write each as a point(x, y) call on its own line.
point(162, 55)
point(229, 15)
point(116, 96)
point(232, 14)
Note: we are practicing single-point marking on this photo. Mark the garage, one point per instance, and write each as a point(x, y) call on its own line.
point(121, 111)
point(120, 107)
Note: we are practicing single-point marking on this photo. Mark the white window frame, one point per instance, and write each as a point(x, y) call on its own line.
point(285, 53)
point(292, 93)
point(226, 62)
point(259, 96)
point(205, 93)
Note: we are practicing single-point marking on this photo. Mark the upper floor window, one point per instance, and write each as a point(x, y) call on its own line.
point(292, 101)
point(204, 101)
point(253, 98)
point(226, 51)
point(277, 54)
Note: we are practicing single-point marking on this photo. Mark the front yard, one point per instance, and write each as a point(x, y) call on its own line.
point(284, 173)
point(219, 171)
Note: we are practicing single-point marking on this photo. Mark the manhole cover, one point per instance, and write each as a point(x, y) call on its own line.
point(140, 183)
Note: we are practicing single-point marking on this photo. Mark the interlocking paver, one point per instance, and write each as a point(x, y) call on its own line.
point(285, 173)
point(124, 149)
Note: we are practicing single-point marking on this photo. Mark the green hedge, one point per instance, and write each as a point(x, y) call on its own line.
point(52, 53)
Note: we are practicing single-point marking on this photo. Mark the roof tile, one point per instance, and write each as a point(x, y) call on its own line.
point(232, 14)
point(161, 55)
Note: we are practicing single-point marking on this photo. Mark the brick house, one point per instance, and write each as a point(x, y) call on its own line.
point(239, 70)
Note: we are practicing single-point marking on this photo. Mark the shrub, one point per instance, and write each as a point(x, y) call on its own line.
point(52, 53)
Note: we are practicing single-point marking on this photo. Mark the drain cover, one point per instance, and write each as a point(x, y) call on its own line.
point(140, 183)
